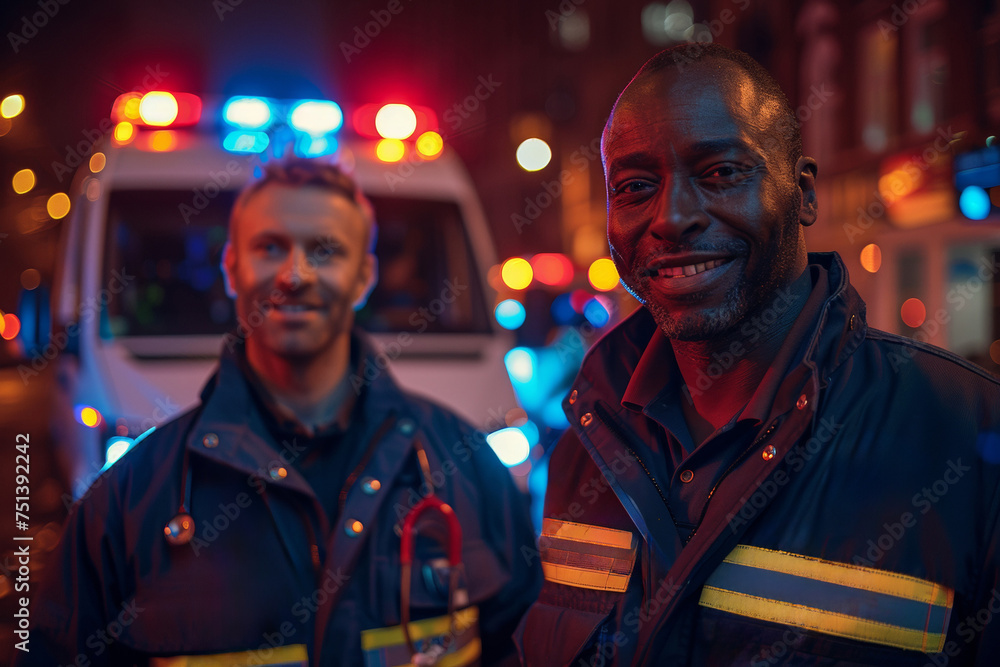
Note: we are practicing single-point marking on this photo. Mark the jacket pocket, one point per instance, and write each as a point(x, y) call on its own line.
point(550, 635)
point(482, 576)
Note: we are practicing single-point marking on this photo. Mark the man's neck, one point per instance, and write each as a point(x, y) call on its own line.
point(731, 365)
point(306, 388)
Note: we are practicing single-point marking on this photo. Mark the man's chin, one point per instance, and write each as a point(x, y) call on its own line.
point(696, 324)
point(293, 347)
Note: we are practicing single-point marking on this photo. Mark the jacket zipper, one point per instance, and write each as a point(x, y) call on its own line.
point(739, 460)
point(612, 423)
point(618, 430)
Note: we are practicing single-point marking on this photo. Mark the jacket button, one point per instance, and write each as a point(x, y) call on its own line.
point(277, 471)
point(210, 440)
point(768, 453)
point(370, 485)
point(572, 396)
point(850, 324)
point(586, 419)
point(687, 476)
point(353, 527)
point(802, 402)
point(406, 426)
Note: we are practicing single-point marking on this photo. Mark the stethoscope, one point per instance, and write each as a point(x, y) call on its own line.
point(180, 529)
point(407, 547)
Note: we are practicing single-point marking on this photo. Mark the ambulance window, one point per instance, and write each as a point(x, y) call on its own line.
point(169, 257)
point(428, 277)
point(167, 253)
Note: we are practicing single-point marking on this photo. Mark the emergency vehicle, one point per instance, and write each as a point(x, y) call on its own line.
point(139, 305)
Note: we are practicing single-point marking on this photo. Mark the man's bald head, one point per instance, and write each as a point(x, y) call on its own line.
point(784, 134)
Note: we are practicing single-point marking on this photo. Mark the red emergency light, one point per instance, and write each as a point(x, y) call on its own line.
point(363, 120)
point(157, 108)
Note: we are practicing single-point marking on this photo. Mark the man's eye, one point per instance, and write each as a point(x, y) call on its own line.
point(327, 250)
point(632, 187)
point(269, 248)
point(727, 172)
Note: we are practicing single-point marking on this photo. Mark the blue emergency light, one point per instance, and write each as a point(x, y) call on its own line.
point(248, 113)
point(246, 142)
point(977, 173)
point(316, 117)
point(256, 123)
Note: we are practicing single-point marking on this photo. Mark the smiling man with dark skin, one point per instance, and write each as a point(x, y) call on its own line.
point(681, 156)
point(744, 479)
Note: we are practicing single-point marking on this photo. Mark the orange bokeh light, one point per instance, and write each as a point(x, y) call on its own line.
point(163, 140)
point(871, 258)
point(11, 326)
point(913, 313)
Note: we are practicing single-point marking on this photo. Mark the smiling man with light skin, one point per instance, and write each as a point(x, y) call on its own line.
point(772, 437)
point(301, 256)
point(264, 526)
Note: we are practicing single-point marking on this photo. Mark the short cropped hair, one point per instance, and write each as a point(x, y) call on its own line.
point(683, 55)
point(307, 172)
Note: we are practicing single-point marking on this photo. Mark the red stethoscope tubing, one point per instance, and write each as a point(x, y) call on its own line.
point(430, 503)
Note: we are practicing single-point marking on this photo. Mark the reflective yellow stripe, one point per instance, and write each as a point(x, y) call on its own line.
point(460, 658)
point(585, 556)
point(282, 655)
point(593, 579)
point(830, 623)
point(429, 627)
point(581, 532)
point(844, 574)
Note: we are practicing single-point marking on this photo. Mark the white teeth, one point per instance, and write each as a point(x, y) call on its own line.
point(690, 269)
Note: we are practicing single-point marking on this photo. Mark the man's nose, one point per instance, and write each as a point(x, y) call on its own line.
point(298, 270)
point(679, 215)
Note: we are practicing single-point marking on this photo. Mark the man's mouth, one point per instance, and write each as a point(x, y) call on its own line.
point(686, 265)
point(690, 269)
point(294, 308)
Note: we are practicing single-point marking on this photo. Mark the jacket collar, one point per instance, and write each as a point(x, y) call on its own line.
point(231, 431)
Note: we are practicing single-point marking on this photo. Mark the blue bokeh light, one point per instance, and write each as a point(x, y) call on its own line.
point(596, 313)
point(510, 314)
point(974, 203)
point(562, 309)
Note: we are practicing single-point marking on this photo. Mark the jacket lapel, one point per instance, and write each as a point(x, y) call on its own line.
point(631, 484)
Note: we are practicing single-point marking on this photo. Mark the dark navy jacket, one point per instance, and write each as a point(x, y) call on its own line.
point(267, 567)
point(858, 526)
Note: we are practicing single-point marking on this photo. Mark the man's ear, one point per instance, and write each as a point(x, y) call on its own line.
point(228, 266)
point(367, 279)
point(805, 171)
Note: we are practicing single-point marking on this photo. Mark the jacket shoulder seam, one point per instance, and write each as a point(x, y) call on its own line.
point(903, 341)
